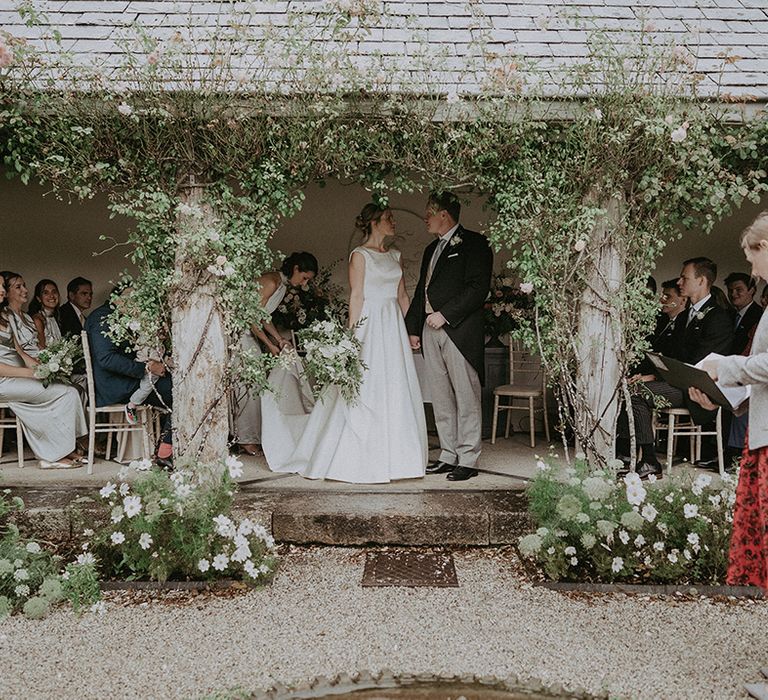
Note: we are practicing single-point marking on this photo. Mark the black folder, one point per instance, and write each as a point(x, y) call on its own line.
point(682, 376)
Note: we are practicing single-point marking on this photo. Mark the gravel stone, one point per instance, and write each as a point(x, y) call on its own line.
point(316, 620)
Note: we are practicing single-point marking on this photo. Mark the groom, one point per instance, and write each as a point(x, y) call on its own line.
point(445, 320)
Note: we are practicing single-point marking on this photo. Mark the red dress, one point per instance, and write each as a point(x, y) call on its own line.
point(748, 556)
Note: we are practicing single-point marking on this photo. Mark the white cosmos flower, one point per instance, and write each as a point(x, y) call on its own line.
point(183, 490)
point(649, 512)
point(598, 115)
point(658, 546)
point(690, 510)
point(526, 287)
point(672, 556)
point(117, 514)
point(680, 133)
point(639, 541)
point(617, 564)
point(220, 562)
point(124, 489)
point(132, 506)
point(108, 490)
point(624, 536)
point(85, 559)
point(224, 526)
point(569, 551)
point(203, 565)
point(574, 561)
point(33, 547)
point(125, 109)
point(235, 466)
point(145, 541)
point(117, 537)
point(635, 494)
point(251, 569)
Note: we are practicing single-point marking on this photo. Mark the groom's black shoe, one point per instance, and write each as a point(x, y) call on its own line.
point(439, 468)
point(461, 474)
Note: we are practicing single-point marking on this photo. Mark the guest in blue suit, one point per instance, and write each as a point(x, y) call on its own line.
point(117, 374)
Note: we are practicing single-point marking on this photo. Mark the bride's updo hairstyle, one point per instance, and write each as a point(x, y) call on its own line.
point(756, 232)
point(306, 262)
point(371, 212)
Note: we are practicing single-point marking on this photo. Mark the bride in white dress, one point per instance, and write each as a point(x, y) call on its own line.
point(383, 436)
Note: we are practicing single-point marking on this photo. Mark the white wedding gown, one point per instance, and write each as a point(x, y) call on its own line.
point(380, 438)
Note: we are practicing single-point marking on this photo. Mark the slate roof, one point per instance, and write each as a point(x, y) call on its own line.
point(728, 38)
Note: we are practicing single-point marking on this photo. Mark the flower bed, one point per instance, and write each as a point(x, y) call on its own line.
point(178, 526)
point(592, 528)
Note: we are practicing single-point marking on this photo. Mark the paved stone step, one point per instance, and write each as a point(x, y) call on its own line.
point(342, 518)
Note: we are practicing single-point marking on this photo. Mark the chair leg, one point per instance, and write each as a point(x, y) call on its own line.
point(495, 419)
point(108, 452)
point(509, 419)
point(531, 422)
point(546, 417)
point(670, 440)
point(19, 443)
point(91, 440)
point(2, 431)
point(698, 445)
point(146, 425)
point(719, 427)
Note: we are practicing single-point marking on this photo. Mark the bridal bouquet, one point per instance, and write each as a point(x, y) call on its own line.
point(58, 360)
point(333, 358)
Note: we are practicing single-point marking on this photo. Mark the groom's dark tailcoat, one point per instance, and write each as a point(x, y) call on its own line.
point(458, 289)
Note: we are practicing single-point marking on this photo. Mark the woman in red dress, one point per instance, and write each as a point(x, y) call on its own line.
point(748, 558)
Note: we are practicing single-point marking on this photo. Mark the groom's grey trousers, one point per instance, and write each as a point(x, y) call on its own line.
point(455, 389)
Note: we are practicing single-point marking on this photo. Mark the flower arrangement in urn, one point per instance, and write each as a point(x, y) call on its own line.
point(317, 300)
point(507, 305)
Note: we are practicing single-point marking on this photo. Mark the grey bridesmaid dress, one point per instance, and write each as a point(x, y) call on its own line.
point(52, 417)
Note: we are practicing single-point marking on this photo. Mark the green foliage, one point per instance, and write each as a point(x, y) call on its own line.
point(178, 526)
point(196, 116)
point(592, 528)
point(80, 583)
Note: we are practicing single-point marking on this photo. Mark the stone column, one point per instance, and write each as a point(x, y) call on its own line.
point(200, 348)
point(599, 341)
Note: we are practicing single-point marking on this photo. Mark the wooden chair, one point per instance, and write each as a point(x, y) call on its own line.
point(680, 423)
point(116, 423)
point(11, 421)
point(526, 382)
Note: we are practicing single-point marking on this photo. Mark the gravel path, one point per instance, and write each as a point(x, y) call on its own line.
point(316, 620)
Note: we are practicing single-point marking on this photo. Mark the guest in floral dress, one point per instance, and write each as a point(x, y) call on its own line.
point(22, 325)
point(748, 559)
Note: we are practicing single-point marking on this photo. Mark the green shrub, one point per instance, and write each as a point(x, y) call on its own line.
point(592, 528)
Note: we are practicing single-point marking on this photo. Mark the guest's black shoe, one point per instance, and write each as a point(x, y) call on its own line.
point(713, 463)
point(165, 463)
point(461, 474)
point(439, 468)
point(645, 469)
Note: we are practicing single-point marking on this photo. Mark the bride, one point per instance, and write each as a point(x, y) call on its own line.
point(381, 437)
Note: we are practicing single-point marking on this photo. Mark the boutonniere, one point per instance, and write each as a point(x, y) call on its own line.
point(699, 315)
point(455, 240)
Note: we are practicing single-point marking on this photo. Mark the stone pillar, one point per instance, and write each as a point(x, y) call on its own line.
point(599, 341)
point(200, 348)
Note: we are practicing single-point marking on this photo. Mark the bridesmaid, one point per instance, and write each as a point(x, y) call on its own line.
point(22, 325)
point(297, 269)
point(52, 417)
point(748, 557)
point(44, 310)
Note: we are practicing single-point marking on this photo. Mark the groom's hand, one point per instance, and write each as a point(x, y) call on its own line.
point(415, 342)
point(436, 320)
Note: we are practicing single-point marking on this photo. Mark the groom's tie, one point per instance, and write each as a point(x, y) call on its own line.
point(432, 263)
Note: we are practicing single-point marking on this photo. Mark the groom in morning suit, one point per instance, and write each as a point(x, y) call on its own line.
point(445, 321)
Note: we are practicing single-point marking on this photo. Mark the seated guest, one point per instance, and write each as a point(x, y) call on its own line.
point(72, 313)
point(741, 293)
point(44, 310)
point(52, 417)
point(117, 375)
point(665, 337)
point(20, 322)
point(703, 328)
point(721, 298)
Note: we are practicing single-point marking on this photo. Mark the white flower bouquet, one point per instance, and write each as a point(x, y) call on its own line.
point(333, 358)
point(58, 360)
point(592, 528)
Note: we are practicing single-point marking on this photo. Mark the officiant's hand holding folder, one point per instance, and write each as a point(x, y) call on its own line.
point(682, 375)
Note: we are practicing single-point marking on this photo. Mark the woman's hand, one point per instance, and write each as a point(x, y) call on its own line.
point(701, 398)
point(273, 349)
point(156, 367)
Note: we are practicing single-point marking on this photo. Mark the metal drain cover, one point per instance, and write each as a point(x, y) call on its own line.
point(408, 567)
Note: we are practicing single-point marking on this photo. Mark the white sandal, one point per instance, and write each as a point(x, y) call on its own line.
point(59, 465)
